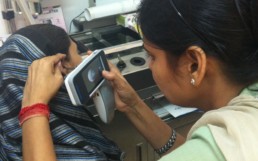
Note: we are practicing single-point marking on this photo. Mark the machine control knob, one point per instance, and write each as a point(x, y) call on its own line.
point(137, 61)
point(121, 64)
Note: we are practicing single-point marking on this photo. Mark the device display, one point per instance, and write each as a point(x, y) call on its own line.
point(92, 74)
point(86, 78)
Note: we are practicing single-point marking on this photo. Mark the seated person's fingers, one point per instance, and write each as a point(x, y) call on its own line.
point(54, 59)
point(44, 80)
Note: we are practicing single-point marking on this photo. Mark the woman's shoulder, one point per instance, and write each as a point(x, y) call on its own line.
point(234, 127)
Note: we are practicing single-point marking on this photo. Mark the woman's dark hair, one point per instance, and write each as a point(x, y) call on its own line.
point(48, 38)
point(225, 29)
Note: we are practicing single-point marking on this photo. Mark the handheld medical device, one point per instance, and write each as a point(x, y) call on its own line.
point(86, 82)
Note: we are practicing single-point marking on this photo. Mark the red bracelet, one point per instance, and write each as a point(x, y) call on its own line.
point(28, 112)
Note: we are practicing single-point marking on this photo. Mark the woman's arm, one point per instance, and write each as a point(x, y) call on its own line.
point(156, 131)
point(37, 142)
point(44, 80)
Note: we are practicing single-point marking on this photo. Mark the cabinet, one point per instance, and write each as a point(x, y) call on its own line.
point(133, 144)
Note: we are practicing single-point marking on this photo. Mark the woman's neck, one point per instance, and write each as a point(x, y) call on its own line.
point(221, 89)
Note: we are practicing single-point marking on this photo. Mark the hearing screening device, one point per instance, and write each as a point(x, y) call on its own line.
point(86, 81)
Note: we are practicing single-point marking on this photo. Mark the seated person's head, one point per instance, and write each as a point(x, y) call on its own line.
point(51, 40)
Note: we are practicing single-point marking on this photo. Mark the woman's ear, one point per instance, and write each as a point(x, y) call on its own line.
point(197, 61)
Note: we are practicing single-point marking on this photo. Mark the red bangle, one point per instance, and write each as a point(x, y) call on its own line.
point(28, 112)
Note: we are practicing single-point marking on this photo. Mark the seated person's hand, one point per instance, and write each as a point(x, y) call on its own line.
point(125, 96)
point(44, 80)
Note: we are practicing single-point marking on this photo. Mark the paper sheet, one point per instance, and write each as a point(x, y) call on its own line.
point(176, 111)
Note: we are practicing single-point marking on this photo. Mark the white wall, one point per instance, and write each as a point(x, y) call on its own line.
point(47, 3)
point(101, 2)
point(3, 23)
point(70, 8)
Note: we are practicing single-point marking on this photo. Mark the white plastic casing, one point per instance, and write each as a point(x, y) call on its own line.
point(105, 102)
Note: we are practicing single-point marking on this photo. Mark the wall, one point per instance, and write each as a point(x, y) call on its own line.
point(3, 24)
point(101, 2)
point(71, 8)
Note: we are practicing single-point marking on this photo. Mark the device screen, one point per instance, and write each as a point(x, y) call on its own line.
point(87, 79)
point(92, 75)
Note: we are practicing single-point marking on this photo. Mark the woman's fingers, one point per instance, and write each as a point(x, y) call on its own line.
point(125, 95)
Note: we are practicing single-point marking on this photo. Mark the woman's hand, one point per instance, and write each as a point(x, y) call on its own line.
point(44, 80)
point(125, 96)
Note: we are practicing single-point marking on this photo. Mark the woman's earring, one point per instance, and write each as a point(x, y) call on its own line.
point(192, 81)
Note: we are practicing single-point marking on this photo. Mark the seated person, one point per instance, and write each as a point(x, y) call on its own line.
point(74, 133)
